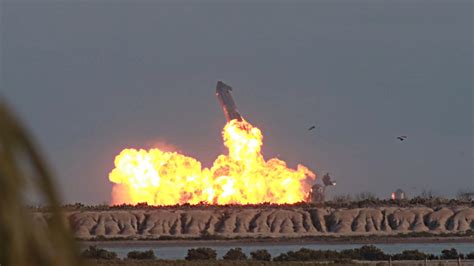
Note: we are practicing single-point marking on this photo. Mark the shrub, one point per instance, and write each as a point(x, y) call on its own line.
point(344, 261)
point(141, 255)
point(262, 255)
point(372, 253)
point(201, 254)
point(410, 255)
point(98, 253)
point(450, 254)
point(366, 196)
point(305, 254)
point(465, 195)
point(235, 254)
point(342, 198)
point(282, 257)
point(369, 252)
point(470, 256)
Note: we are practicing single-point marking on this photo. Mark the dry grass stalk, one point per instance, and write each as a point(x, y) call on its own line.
point(21, 166)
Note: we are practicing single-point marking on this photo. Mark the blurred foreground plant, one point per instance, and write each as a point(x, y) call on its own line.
point(22, 241)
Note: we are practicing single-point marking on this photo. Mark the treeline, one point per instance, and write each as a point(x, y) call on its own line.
point(364, 253)
point(337, 202)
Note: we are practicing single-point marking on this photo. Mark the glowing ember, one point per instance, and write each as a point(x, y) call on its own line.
point(167, 178)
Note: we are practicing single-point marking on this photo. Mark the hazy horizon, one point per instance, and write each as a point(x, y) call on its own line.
point(90, 79)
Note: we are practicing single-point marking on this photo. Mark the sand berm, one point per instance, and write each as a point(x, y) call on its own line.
point(265, 222)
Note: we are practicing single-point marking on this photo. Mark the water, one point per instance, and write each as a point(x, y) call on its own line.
point(178, 251)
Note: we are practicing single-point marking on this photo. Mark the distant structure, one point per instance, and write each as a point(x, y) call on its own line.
point(318, 191)
point(227, 102)
point(398, 194)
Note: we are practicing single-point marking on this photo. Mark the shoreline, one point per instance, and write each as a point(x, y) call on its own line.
point(276, 242)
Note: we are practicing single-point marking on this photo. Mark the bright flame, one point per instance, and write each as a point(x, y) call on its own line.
point(243, 176)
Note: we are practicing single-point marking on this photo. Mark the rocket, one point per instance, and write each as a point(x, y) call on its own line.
point(227, 103)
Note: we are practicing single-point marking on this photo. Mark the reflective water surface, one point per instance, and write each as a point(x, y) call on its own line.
point(179, 251)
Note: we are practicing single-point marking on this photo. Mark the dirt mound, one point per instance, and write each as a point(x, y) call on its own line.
point(276, 222)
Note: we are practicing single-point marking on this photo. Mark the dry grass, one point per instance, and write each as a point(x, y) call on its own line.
point(205, 263)
point(22, 169)
point(262, 263)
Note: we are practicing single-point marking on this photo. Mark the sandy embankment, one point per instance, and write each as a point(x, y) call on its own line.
point(266, 222)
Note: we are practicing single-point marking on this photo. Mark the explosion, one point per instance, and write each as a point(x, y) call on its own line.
point(242, 177)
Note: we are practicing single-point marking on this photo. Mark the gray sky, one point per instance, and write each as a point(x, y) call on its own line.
point(92, 78)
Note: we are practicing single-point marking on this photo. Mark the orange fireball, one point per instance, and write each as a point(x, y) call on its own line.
point(241, 177)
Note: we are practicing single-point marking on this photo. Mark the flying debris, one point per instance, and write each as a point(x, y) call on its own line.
point(311, 128)
point(401, 138)
point(327, 181)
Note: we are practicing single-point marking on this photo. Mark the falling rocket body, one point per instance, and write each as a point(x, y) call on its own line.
point(223, 93)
